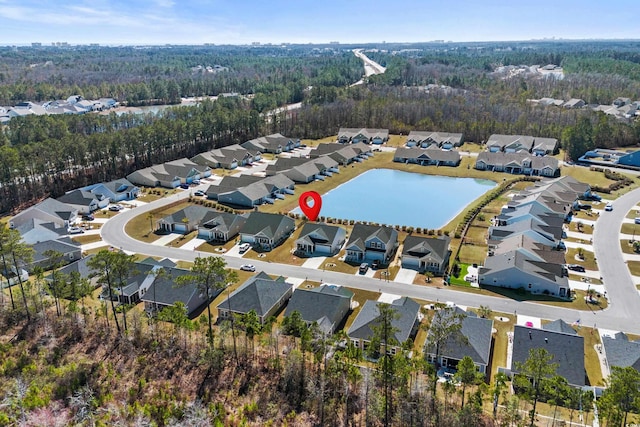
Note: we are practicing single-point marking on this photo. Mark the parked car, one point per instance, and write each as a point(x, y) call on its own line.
point(196, 182)
point(184, 186)
point(637, 220)
point(244, 247)
point(75, 230)
point(199, 193)
point(363, 268)
point(247, 267)
point(594, 197)
point(114, 208)
point(608, 207)
point(576, 267)
point(584, 206)
point(88, 217)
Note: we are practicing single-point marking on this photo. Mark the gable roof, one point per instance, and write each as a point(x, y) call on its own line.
point(622, 352)
point(259, 293)
point(361, 233)
point(369, 317)
point(473, 339)
point(325, 305)
point(567, 351)
point(48, 206)
point(164, 291)
point(318, 232)
point(559, 326)
point(266, 223)
point(78, 197)
point(427, 247)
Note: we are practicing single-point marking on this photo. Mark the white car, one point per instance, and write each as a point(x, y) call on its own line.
point(75, 230)
point(244, 247)
point(608, 207)
point(247, 267)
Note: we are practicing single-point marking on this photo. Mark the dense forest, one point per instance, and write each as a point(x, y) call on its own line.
point(48, 155)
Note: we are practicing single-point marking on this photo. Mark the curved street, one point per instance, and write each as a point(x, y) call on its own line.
point(623, 296)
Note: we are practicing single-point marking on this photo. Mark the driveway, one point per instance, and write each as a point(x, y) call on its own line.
point(624, 299)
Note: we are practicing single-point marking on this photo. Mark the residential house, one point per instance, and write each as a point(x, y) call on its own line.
point(115, 191)
point(154, 176)
point(342, 154)
point(518, 163)
point(425, 157)
point(164, 292)
point(404, 324)
point(620, 351)
point(265, 231)
point(83, 201)
point(426, 254)
point(248, 190)
point(229, 157)
point(424, 139)
point(36, 230)
point(220, 227)
point(81, 268)
point(49, 210)
point(69, 250)
point(367, 136)
point(317, 239)
point(509, 143)
point(566, 347)
point(519, 270)
point(473, 339)
point(187, 170)
point(326, 305)
point(260, 293)
point(275, 144)
point(544, 146)
point(574, 103)
point(185, 220)
point(368, 243)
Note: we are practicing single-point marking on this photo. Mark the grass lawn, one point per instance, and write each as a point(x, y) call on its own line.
point(459, 279)
point(630, 229)
point(473, 254)
point(627, 247)
point(588, 262)
point(139, 227)
point(583, 228)
point(500, 342)
point(283, 253)
point(591, 361)
point(634, 267)
point(585, 174)
point(216, 248)
point(183, 240)
point(83, 240)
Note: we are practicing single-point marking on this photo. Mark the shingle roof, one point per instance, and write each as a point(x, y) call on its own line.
point(473, 339)
point(328, 302)
point(323, 233)
point(361, 233)
point(420, 247)
point(622, 352)
point(259, 293)
point(266, 223)
point(567, 351)
point(559, 326)
point(369, 317)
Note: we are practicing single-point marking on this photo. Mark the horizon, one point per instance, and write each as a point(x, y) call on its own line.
point(224, 22)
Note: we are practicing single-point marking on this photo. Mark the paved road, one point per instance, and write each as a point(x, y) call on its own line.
point(621, 290)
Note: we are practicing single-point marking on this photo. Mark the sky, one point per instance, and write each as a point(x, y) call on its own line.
point(159, 22)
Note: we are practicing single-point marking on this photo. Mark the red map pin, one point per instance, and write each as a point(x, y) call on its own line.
point(312, 211)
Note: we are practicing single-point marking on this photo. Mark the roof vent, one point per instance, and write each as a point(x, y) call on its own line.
point(546, 340)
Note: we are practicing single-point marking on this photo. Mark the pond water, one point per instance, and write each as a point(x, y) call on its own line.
point(394, 197)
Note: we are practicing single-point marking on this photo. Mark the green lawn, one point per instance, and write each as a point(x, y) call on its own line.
point(459, 279)
point(588, 262)
point(634, 267)
point(140, 226)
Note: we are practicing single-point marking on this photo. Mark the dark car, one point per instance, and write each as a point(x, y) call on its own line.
point(88, 217)
point(184, 186)
point(576, 267)
point(363, 268)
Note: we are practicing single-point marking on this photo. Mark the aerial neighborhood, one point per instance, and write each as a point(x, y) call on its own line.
point(424, 246)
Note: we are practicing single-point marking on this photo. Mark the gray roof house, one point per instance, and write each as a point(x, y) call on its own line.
point(567, 349)
point(342, 154)
point(620, 351)
point(474, 339)
point(543, 146)
point(154, 176)
point(368, 136)
point(509, 143)
point(425, 157)
point(274, 143)
point(317, 239)
point(426, 254)
point(405, 325)
point(220, 226)
point(265, 231)
point(115, 191)
point(49, 210)
point(229, 157)
point(424, 139)
point(163, 292)
point(326, 305)
point(84, 201)
point(36, 230)
point(369, 242)
point(185, 220)
point(70, 252)
point(518, 270)
point(518, 163)
point(261, 293)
